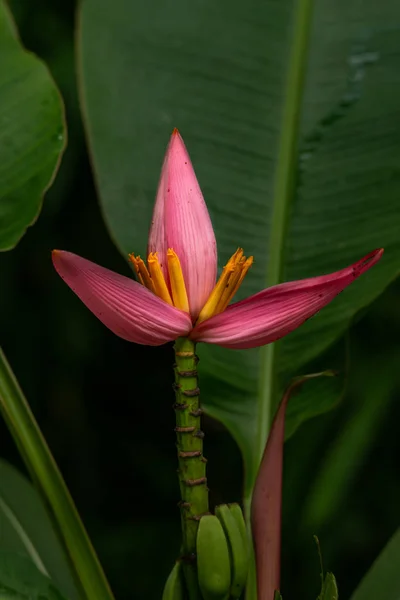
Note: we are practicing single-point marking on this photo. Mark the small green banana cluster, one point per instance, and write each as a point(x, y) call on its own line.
point(222, 553)
point(222, 557)
point(175, 586)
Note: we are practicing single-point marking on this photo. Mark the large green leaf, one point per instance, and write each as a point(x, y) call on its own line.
point(382, 580)
point(20, 579)
point(26, 528)
point(32, 133)
point(239, 83)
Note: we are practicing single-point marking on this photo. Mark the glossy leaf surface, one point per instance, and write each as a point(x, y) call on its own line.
point(21, 580)
point(32, 133)
point(290, 113)
point(26, 529)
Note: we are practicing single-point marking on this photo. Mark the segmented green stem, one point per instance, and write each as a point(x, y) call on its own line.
point(192, 464)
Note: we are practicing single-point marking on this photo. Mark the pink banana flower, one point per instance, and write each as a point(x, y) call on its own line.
point(177, 294)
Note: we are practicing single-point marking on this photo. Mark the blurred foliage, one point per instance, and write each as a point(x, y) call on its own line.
point(382, 581)
point(32, 133)
point(26, 529)
point(303, 204)
point(86, 389)
point(22, 580)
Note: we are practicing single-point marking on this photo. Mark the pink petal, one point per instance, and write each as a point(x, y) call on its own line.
point(276, 311)
point(123, 305)
point(157, 241)
point(182, 222)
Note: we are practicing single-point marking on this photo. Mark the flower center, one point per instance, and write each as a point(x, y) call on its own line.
point(152, 277)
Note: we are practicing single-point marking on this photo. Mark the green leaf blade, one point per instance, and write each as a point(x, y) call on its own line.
point(220, 74)
point(32, 136)
point(382, 580)
point(21, 580)
point(40, 463)
point(26, 528)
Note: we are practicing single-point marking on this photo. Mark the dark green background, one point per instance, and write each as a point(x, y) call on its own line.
point(114, 441)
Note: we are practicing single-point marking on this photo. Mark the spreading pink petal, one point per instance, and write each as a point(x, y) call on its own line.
point(123, 305)
point(276, 311)
point(182, 222)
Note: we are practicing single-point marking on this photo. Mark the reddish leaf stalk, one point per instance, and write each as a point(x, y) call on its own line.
point(266, 505)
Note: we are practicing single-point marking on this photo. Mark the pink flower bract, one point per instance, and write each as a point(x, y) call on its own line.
point(177, 294)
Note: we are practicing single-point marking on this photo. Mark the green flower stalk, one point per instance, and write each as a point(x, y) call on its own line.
point(192, 463)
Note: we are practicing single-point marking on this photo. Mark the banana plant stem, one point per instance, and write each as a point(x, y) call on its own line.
point(192, 464)
point(47, 477)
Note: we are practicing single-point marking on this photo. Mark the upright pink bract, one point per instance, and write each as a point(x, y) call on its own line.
point(181, 221)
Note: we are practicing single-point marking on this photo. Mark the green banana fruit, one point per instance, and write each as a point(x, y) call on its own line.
point(240, 522)
point(237, 548)
point(175, 587)
point(213, 562)
point(329, 588)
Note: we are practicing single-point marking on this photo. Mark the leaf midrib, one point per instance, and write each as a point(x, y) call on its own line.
point(23, 536)
point(284, 189)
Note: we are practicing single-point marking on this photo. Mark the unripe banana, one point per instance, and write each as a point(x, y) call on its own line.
point(329, 588)
point(237, 549)
point(240, 522)
point(175, 587)
point(213, 563)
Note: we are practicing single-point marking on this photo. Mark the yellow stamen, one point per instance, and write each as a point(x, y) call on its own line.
point(227, 285)
point(142, 272)
point(234, 283)
point(157, 277)
point(211, 305)
point(236, 257)
point(231, 285)
point(133, 260)
point(246, 266)
point(177, 281)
